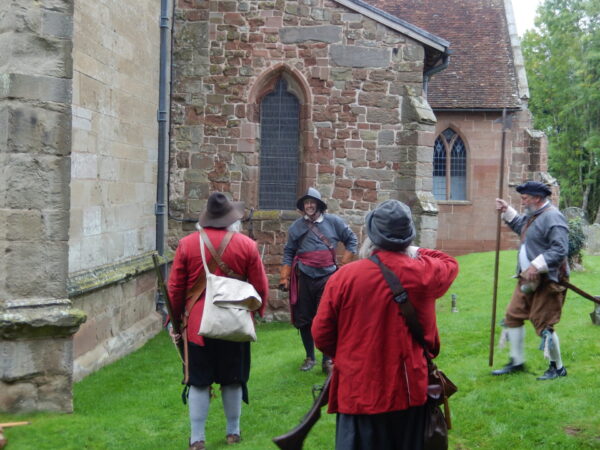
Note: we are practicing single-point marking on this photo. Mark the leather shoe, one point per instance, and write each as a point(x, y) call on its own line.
point(327, 366)
point(198, 445)
point(510, 368)
point(307, 365)
point(233, 438)
point(553, 372)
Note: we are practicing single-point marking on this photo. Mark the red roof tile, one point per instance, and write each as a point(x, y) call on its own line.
point(481, 74)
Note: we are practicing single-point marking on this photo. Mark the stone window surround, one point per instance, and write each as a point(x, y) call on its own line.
point(297, 85)
point(459, 134)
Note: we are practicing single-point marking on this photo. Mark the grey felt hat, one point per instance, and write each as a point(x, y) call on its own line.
point(534, 188)
point(220, 212)
point(315, 195)
point(390, 226)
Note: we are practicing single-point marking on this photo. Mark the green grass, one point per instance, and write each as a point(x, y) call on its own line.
point(135, 403)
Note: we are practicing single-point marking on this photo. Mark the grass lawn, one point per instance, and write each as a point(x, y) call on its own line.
point(135, 403)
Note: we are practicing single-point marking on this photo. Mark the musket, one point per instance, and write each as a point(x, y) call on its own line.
point(506, 124)
point(294, 439)
point(580, 292)
point(175, 322)
point(250, 224)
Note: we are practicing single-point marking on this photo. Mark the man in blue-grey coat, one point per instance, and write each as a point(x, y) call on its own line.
point(309, 259)
point(542, 264)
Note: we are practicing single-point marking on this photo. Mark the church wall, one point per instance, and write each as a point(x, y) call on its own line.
point(113, 177)
point(366, 133)
point(114, 149)
point(37, 321)
point(471, 225)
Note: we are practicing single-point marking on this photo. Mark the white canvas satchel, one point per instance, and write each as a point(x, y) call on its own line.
point(228, 304)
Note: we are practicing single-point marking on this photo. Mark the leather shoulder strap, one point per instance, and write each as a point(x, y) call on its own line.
point(194, 293)
point(312, 227)
point(530, 221)
point(216, 255)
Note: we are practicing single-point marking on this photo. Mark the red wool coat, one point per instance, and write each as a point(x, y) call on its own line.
point(379, 367)
point(241, 255)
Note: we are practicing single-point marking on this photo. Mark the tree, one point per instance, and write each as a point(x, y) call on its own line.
point(562, 58)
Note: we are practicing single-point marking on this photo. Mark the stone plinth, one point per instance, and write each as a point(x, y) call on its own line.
point(36, 354)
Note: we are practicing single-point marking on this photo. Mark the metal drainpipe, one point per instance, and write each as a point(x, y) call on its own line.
point(160, 206)
point(162, 117)
point(427, 75)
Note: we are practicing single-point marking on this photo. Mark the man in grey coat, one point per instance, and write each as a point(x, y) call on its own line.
point(309, 259)
point(542, 263)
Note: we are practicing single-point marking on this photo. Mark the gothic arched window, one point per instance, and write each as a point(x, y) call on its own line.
point(279, 152)
point(449, 167)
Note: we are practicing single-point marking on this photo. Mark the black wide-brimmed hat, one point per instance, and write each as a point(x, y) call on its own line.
point(534, 188)
point(220, 212)
point(313, 194)
point(390, 226)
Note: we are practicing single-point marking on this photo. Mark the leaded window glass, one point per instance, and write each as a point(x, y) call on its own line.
point(449, 167)
point(279, 155)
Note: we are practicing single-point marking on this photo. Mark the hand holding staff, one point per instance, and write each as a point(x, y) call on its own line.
point(165, 294)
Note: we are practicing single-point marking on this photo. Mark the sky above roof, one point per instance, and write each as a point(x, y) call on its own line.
point(524, 14)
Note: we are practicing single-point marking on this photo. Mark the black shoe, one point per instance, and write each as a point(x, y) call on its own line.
point(510, 368)
point(307, 365)
point(553, 372)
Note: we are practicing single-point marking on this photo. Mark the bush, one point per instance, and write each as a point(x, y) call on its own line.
point(576, 241)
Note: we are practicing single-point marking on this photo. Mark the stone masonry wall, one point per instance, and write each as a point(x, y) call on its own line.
point(470, 226)
point(121, 318)
point(36, 319)
point(366, 133)
point(114, 177)
point(114, 158)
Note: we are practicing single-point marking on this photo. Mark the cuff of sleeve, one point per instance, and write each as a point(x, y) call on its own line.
point(412, 251)
point(509, 214)
point(540, 264)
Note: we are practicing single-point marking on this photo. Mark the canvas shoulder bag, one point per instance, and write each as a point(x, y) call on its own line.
point(440, 388)
point(228, 303)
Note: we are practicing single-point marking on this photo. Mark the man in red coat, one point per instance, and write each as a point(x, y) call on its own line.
point(379, 383)
point(214, 360)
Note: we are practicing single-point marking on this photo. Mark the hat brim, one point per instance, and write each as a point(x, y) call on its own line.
point(300, 202)
point(209, 220)
point(535, 192)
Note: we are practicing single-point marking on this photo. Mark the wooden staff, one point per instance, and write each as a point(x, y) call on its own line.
point(3, 440)
point(505, 128)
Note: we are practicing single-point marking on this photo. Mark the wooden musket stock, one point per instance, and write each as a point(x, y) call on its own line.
point(294, 439)
point(165, 294)
point(580, 292)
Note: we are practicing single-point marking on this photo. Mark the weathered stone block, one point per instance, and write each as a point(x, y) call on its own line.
point(28, 129)
point(35, 317)
point(57, 24)
point(323, 33)
point(35, 87)
point(41, 182)
point(385, 137)
point(418, 110)
point(36, 269)
point(193, 35)
point(383, 115)
point(21, 224)
point(355, 56)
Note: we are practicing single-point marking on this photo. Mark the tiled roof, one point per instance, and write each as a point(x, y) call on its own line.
point(366, 7)
point(482, 73)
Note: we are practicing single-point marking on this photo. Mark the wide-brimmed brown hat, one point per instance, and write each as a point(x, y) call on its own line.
point(220, 212)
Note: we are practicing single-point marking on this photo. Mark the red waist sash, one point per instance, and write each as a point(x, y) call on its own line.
point(316, 258)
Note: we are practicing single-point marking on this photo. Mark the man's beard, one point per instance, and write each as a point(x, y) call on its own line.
point(529, 210)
